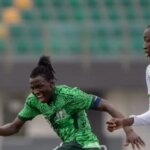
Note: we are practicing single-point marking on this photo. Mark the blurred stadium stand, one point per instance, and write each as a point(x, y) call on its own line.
point(72, 27)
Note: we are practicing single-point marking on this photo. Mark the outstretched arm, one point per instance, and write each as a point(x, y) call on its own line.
point(132, 137)
point(11, 128)
point(136, 120)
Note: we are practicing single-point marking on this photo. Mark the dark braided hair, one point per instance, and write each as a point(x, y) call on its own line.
point(44, 69)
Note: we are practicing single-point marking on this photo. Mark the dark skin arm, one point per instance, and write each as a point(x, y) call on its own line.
point(117, 123)
point(11, 128)
point(132, 137)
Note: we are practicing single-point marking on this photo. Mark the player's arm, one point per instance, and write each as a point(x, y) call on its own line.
point(103, 105)
point(136, 120)
point(11, 128)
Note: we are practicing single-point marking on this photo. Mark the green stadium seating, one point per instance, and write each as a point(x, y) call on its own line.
point(21, 47)
point(16, 31)
point(37, 47)
point(57, 3)
point(3, 46)
point(45, 15)
point(79, 15)
point(113, 14)
point(39, 3)
point(62, 15)
point(6, 3)
point(100, 24)
point(96, 14)
point(116, 31)
point(35, 31)
point(135, 31)
point(144, 3)
point(127, 3)
point(131, 14)
point(92, 3)
point(109, 3)
point(146, 14)
point(75, 3)
point(136, 45)
point(102, 31)
point(28, 15)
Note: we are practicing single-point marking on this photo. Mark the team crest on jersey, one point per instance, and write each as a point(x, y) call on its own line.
point(60, 115)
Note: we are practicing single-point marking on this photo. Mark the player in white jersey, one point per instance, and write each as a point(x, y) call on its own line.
point(142, 119)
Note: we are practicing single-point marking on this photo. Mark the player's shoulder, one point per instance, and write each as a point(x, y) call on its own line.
point(65, 89)
point(31, 98)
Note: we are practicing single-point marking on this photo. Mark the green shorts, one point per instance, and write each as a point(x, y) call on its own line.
point(73, 146)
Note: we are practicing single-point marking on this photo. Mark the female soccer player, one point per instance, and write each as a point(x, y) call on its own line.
point(143, 119)
point(64, 107)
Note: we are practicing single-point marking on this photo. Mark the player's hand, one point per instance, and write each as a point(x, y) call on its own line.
point(114, 124)
point(135, 140)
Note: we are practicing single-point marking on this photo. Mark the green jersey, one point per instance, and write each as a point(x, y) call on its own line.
point(66, 113)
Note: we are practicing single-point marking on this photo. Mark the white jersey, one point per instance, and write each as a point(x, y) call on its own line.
point(144, 119)
point(148, 78)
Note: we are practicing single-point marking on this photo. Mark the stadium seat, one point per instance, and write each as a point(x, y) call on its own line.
point(144, 3)
point(6, 3)
point(34, 31)
point(131, 14)
point(57, 3)
point(135, 31)
point(37, 47)
point(11, 15)
point(116, 31)
point(16, 31)
point(23, 4)
point(21, 47)
point(96, 14)
point(28, 15)
point(92, 3)
point(145, 14)
point(39, 3)
point(3, 45)
point(127, 3)
point(75, 3)
point(78, 14)
point(45, 15)
point(102, 31)
point(62, 15)
point(109, 3)
point(113, 14)
point(136, 45)
point(3, 31)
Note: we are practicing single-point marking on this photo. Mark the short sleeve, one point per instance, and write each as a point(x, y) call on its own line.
point(148, 78)
point(28, 112)
point(81, 100)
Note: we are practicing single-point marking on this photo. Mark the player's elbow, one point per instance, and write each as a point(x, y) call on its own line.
point(14, 129)
point(105, 106)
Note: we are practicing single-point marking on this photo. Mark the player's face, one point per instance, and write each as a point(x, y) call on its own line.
point(147, 42)
point(41, 88)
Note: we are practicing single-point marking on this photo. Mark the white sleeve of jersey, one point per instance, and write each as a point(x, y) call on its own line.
point(141, 120)
point(144, 119)
point(148, 78)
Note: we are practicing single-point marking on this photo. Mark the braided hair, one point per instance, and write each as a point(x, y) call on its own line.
point(44, 69)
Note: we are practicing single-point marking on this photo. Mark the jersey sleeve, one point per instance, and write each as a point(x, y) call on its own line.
point(28, 112)
point(148, 79)
point(142, 119)
point(82, 100)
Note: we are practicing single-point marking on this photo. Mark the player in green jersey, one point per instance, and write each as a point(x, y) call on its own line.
point(65, 109)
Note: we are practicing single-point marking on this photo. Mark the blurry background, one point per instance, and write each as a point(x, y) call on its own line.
point(94, 44)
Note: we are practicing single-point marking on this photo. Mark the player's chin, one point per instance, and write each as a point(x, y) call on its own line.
point(43, 100)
